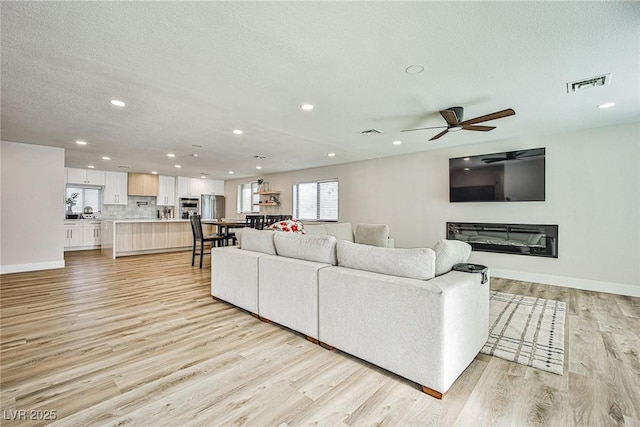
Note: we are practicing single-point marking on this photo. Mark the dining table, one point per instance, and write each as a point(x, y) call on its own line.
point(223, 228)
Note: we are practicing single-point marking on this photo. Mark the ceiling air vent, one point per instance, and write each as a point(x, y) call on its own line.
point(372, 131)
point(587, 83)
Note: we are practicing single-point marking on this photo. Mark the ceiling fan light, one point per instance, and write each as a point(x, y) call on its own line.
point(455, 128)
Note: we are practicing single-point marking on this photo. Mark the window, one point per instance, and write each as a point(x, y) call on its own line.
point(316, 201)
point(246, 198)
point(87, 196)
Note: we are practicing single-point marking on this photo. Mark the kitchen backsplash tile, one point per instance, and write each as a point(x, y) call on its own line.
point(137, 207)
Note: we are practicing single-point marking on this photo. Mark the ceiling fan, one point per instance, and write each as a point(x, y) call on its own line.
point(514, 155)
point(453, 117)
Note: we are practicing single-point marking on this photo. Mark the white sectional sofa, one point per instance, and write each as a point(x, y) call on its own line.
point(383, 305)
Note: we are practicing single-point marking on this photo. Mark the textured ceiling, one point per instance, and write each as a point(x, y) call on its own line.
point(191, 72)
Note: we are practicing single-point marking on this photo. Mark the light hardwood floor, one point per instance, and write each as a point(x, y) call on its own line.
point(140, 341)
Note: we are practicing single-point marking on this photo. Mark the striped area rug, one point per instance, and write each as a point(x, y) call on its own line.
point(527, 330)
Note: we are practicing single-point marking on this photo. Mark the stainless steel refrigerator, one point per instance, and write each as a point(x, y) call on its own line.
point(212, 207)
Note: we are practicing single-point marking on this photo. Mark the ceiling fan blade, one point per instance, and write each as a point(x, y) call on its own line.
point(439, 135)
point(450, 117)
point(478, 128)
point(434, 127)
point(492, 116)
point(494, 159)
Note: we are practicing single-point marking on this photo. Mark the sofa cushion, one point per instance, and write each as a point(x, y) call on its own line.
point(372, 234)
point(306, 247)
point(257, 240)
point(288, 225)
point(449, 253)
point(315, 230)
point(340, 230)
point(416, 263)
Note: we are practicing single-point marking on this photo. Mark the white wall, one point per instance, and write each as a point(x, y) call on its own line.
point(593, 193)
point(32, 190)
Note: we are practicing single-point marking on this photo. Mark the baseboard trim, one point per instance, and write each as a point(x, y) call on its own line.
point(570, 282)
point(20, 268)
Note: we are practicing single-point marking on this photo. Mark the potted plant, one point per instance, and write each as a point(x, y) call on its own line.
point(70, 202)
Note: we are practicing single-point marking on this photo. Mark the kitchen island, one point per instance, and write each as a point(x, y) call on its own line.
point(124, 237)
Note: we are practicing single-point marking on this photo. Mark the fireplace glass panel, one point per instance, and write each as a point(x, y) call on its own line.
point(522, 239)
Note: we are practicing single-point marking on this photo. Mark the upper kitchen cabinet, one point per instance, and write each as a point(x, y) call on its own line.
point(142, 184)
point(115, 190)
point(85, 176)
point(212, 186)
point(166, 191)
point(198, 186)
point(189, 186)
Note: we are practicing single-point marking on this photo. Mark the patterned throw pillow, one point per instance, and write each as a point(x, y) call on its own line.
point(288, 225)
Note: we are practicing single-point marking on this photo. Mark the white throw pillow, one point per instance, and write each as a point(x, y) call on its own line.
point(257, 241)
point(307, 247)
point(418, 263)
point(372, 234)
point(450, 253)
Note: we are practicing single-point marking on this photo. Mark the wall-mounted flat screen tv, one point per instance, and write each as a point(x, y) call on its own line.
point(512, 176)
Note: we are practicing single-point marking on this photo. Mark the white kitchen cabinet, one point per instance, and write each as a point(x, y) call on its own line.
point(115, 189)
point(212, 186)
point(85, 176)
point(73, 234)
point(91, 233)
point(167, 191)
point(189, 186)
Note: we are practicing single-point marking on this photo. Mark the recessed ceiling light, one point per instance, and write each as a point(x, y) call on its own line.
point(414, 69)
point(237, 132)
point(154, 172)
point(307, 107)
point(397, 142)
point(81, 142)
point(117, 103)
point(106, 158)
point(331, 154)
point(258, 167)
point(178, 166)
point(91, 166)
point(607, 105)
point(231, 172)
point(171, 155)
point(202, 176)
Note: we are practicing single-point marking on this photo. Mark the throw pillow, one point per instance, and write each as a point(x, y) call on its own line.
point(306, 247)
point(450, 253)
point(288, 225)
point(257, 241)
point(372, 234)
point(416, 263)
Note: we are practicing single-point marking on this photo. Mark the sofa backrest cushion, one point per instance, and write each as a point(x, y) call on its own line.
point(257, 240)
point(315, 230)
point(418, 263)
point(372, 234)
point(339, 230)
point(450, 253)
point(306, 247)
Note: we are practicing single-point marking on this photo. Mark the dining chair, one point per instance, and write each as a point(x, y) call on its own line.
point(200, 239)
point(255, 221)
point(272, 219)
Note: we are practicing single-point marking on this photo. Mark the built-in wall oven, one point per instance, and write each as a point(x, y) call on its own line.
point(189, 206)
